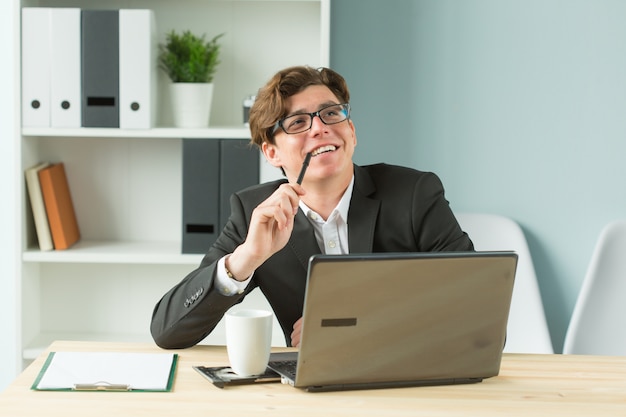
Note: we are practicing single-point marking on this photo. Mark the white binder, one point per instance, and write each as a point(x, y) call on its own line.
point(36, 67)
point(138, 67)
point(65, 93)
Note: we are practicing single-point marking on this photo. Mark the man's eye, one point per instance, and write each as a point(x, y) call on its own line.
point(295, 121)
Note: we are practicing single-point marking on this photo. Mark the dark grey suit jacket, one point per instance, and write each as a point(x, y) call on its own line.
point(393, 209)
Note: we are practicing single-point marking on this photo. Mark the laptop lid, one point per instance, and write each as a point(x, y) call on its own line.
point(396, 319)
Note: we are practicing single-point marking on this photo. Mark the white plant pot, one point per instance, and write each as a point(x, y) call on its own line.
point(191, 104)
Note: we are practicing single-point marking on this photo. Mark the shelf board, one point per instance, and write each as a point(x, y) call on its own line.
point(116, 252)
point(218, 132)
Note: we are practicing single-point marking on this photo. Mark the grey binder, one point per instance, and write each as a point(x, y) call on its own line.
point(239, 168)
point(100, 68)
point(213, 169)
point(200, 194)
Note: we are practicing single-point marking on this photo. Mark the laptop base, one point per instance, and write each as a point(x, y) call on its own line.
point(287, 373)
point(398, 384)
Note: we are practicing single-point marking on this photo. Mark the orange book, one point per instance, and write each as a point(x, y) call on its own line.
point(59, 207)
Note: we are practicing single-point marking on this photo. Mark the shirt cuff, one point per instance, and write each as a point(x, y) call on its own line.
point(226, 285)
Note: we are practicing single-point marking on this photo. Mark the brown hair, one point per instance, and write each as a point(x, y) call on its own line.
point(269, 106)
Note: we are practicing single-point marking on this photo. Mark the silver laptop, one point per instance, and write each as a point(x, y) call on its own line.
point(401, 319)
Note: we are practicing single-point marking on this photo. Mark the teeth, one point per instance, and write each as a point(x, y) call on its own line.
point(323, 149)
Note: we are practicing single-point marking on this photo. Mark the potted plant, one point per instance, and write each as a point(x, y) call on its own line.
point(190, 62)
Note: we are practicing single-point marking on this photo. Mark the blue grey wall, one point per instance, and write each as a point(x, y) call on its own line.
point(519, 106)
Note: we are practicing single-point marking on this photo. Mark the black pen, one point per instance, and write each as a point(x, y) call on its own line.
point(305, 164)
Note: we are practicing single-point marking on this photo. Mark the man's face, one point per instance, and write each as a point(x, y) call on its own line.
point(332, 145)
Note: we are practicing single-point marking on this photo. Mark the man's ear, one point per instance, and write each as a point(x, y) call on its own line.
point(271, 154)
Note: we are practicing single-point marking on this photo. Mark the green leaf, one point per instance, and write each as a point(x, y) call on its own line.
point(187, 58)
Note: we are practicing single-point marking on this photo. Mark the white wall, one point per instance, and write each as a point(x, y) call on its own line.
point(10, 190)
point(518, 105)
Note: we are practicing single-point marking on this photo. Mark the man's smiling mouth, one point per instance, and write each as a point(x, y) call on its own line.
point(323, 149)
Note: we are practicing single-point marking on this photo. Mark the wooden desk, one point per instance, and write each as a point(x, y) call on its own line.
point(538, 385)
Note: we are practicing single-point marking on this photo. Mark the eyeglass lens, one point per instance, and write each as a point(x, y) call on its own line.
point(302, 122)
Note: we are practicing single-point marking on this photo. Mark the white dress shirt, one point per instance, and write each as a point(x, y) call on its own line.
point(331, 235)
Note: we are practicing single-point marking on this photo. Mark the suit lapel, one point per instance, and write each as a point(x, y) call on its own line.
point(302, 241)
point(362, 217)
point(363, 213)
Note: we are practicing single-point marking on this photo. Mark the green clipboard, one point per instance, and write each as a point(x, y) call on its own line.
point(107, 372)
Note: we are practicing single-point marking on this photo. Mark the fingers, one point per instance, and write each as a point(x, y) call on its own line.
point(283, 204)
point(272, 223)
point(296, 333)
point(293, 192)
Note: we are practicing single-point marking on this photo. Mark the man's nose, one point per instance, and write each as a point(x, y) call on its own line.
point(316, 122)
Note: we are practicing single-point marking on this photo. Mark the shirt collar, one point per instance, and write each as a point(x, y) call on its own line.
point(342, 208)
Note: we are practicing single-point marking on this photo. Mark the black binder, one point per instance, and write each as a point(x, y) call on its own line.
point(200, 194)
point(213, 169)
point(239, 168)
point(100, 68)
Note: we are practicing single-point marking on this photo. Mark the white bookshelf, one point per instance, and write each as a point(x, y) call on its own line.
point(126, 184)
point(116, 252)
point(224, 132)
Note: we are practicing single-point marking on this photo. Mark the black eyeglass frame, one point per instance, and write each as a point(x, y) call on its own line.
point(279, 124)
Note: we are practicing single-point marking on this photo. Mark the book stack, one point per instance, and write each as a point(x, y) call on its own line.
point(53, 210)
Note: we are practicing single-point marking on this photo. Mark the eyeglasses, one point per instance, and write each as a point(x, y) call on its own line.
point(301, 122)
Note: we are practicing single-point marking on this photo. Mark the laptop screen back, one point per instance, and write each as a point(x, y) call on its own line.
point(404, 317)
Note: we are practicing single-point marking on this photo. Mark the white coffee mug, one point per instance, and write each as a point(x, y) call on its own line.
point(249, 340)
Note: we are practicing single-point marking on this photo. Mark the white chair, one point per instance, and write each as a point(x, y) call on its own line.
point(527, 329)
point(598, 323)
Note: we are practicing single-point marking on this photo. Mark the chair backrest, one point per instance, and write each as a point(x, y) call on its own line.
point(527, 329)
point(598, 323)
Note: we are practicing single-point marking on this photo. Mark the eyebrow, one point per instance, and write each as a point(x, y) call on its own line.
point(321, 106)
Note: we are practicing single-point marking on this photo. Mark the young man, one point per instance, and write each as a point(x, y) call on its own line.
point(339, 207)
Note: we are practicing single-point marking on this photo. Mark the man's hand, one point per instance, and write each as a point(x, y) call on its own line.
point(270, 228)
point(297, 333)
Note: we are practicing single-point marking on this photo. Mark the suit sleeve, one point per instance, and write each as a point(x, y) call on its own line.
point(188, 312)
